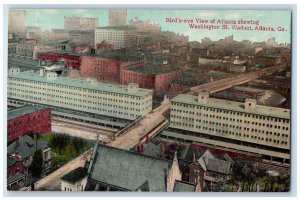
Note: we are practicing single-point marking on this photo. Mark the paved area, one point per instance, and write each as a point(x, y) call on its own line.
point(150, 122)
point(85, 131)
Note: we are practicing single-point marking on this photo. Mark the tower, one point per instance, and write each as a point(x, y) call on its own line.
point(117, 17)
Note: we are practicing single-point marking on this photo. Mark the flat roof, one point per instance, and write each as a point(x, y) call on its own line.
point(152, 70)
point(20, 111)
point(234, 106)
point(65, 81)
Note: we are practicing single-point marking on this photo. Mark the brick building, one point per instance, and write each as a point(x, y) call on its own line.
point(28, 119)
point(72, 61)
point(108, 66)
point(156, 78)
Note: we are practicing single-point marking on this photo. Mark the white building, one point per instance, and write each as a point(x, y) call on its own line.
point(253, 128)
point(119, 37)
point(16, 21)
point(126, 102)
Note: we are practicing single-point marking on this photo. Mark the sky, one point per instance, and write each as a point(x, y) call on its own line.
point(54, 18)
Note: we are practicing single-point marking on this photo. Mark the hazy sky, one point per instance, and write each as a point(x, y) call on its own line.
point(54, 18)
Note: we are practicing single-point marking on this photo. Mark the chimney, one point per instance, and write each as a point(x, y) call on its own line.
point(42, 72)
point(63, 47)
point(93, 51)
point(194, 157)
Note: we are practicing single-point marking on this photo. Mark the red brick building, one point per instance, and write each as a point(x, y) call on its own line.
point(107, 67)
point(155, 78)
point(72, 61)
point(27, 119)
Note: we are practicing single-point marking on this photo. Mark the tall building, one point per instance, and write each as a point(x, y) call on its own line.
point(117, 17)
point(16, 21)
point(80, 23)
point(243, 126)
point(119, 37)
point(125, 102)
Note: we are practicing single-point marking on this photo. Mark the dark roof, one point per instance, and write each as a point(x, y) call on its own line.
point(151, 149)
point(144, 187)
point(126, 169)
point(181, 186)
point(15, 177)
point(217, 165)
point(25, 146)
point(153, 70)
point(10, 161)
point(75, 175)
point(20, 111)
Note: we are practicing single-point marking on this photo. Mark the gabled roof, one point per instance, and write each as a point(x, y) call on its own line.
point(228, 158)
point(10, 161)
point(205, 156)
point(217, 165)
point(127, 170)
point(25, 146)
point(181, 186)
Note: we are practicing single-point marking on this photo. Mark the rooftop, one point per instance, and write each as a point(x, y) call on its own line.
point(25, 146)
point(75, 175)
point(181, 186)
point(65, 81)
point(154, 70)
point(128, 170)
point(20, 111)
point(234, 106)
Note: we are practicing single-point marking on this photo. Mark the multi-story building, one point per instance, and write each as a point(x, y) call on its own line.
point(108, 66)
point(156, 78)
point(79, 37)
point(144, 26)
point(120, 37)
point(31, 50)
point(80, 23)
point(28, 119)
point(243, 126)
point(22, 151)
point(16, 21)
point(126, 102)
point(117, 17)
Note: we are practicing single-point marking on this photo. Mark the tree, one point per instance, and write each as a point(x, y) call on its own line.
point(77, 144)
point(59, 141)
point(37, 164)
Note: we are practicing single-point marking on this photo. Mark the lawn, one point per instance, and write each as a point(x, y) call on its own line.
point(68, 152)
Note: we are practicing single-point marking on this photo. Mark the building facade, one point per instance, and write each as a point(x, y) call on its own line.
point(159, 81)
point(16, 21)
point(117, 17)
point(125, 102)
point(120, 37)
point(254, 128)
point(80, 23)
point(27, 119)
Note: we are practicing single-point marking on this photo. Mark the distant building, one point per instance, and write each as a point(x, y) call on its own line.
point(28, 119)
point(117, 17)
point(125, 102)
point(82, 37)
point(16, 21)
point(22, 150)
point(144, 26)
point(244, 126)
point(113, 169)
point(119, 37)
point(80, 23)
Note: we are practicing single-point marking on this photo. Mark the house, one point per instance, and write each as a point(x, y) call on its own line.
point(21, 151)
point(209, 169)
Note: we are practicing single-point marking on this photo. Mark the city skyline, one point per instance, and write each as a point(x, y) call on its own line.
point(267, 18)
